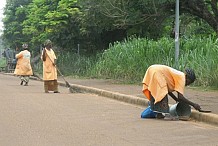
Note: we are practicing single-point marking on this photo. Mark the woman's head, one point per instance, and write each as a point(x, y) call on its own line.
point(189, 76)
point(25, 46)
point(48, 44)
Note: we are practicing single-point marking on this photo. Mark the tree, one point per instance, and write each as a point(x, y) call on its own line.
point(35, 24)
point(96, 23)
point(63, 23)
point(15, 14)
point(204, 9)
point(148, 17)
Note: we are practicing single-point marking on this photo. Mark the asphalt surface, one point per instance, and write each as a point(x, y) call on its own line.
point(31, 117)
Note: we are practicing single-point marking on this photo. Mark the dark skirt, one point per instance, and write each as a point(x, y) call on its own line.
point(51, 85)
point(160, 107)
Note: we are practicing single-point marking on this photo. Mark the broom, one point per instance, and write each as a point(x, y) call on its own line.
point(35, 75)
point(66, 82)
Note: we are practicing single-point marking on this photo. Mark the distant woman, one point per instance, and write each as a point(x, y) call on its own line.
point(23, 67)
point(49, 69)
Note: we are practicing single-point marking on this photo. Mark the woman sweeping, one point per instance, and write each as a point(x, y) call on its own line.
point(49, 70)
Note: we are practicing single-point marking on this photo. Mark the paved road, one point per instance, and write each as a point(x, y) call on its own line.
point(30, 117)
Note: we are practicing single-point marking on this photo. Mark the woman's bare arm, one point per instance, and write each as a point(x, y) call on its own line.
point(182, 98)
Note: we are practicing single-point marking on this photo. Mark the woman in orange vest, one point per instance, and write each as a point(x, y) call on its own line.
point(49, 68)
point(161, 80)
point(23, 66)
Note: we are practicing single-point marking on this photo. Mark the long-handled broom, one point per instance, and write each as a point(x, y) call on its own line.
point(66, 82)
point(35, 75)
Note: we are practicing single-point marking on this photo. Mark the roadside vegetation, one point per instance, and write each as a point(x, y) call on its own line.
point(116, 39)
point(127, 61)
point(2, 62)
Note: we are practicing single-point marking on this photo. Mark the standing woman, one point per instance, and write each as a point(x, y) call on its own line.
point(23, 66)
point(49, 70)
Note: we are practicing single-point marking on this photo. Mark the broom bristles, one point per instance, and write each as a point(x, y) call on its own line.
point(67, 84)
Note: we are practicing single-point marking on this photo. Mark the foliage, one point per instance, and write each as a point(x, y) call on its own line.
point(129, 60)
point(15, 14)
point(63, 24)
point(205, 10)
point(78, 65)
point(140, 18)
point(199, 53)
point(91, 25)
point(35, 25)
point(94, 24)
point(2, 62)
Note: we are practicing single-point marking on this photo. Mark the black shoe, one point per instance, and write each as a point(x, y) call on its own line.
point(21, 83)
point(56, 92)
point(26, 84)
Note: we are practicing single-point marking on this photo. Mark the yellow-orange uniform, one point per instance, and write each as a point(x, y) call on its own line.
point(23, 66)
point(49, 70)
point(161, 79)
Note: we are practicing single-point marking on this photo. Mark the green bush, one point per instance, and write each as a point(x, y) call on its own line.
point(128, 60)
point(73, 64)
point(2, 62)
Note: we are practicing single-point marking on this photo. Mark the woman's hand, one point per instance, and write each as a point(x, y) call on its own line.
point(197, 106)
point(44, 51)
point(44, 54)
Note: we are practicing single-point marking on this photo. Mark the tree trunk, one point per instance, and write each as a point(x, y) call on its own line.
point(200, 9)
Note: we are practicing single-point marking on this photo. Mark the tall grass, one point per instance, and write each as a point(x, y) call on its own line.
point(73, 64)
point(2, 61)
point(201, 54)
point(128, 60)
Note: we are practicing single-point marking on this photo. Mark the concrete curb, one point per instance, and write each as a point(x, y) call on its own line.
point(208, 118)
point(113, 95)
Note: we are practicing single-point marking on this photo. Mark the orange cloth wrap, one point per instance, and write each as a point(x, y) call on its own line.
point(49, 70)
point(23, 66)
point(161, 79)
